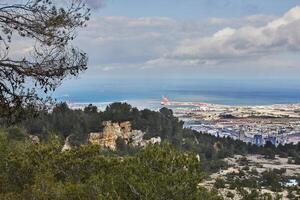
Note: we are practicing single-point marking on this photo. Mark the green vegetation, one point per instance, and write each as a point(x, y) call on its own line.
point(249, 184)
point(255, 195)
point(42, 171)
point(230, 195)
point(270, 178)
point(220, 183)
point(30, 170)
point(50, 27)
point(79, 123)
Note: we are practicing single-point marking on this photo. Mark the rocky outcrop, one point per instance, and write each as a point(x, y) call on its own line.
point(94, 138)
point(112, 131)
point(154, 140)
point(34, 139)
point(67, 146)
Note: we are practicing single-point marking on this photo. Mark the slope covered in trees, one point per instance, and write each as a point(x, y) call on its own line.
point(42, 171)
point(77, 124)
point(167, 171)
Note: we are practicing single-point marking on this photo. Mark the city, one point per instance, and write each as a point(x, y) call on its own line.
point(278, 124)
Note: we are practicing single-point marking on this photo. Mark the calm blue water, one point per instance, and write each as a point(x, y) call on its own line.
point(148, 92)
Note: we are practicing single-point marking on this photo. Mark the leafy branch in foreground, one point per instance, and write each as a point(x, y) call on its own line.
point(48, 27)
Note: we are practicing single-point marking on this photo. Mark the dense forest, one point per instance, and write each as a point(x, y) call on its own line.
point(171, 170)
point(42, 171)
point(63, 122)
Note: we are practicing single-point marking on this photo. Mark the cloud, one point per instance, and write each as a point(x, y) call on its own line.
point(123, 44)
point(246, 42)
point(147, 41)
point(252, 20)
point(111, 40)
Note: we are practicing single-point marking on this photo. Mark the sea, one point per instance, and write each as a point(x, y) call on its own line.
point(147, 93)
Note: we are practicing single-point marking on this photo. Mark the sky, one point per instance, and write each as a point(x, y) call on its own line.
point(192, 38)
point(158, 39)
point(148, 48)
point(192, 9)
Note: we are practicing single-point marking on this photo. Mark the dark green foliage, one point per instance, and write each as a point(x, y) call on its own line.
point(230, 195)
point(79, 123)
point(269, 153)
point(297, 160)
point(121, 144)
point(273, 178)
point(220, 183)
point(49, 26)
point(291, 195)
point(65, 121)
point(254, 172)
point(42, 171)
point(118, 112)
point(76, 123)
point(15, 133)
point(247, 183)
point(255, 195)
point(243, 161)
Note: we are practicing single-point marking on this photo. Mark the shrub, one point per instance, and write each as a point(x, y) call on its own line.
point(220, 183)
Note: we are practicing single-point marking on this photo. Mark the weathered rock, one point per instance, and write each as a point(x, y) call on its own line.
point(94, 138)
point(198, 157)
point(67, 146)
point(137, 138)
point(34, 139)
point(126, 127)
point(155, 140)
point(112, 131)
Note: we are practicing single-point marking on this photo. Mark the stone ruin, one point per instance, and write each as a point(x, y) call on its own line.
point(112, 131)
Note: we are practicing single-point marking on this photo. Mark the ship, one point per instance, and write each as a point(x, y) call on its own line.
point(166, 102)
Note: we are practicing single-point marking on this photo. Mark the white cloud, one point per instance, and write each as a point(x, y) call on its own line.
point(148, 42)
point(121, 43)
point(253, 20)
point(111, 40)
point(229, 44)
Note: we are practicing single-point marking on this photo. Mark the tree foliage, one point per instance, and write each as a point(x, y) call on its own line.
point(42, 171)
point(79, 123)
point(71, 173)
point(49, 27)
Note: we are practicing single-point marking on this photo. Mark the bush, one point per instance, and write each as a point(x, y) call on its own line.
point(269, 153)
point(220, 183)
point(230, 195)
point(42, 171)
point(254, 171)
point(16, 133)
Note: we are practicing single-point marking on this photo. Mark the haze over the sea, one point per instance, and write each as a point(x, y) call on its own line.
point(141, 93)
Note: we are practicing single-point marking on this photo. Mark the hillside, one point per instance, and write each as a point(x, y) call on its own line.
point(115, 142)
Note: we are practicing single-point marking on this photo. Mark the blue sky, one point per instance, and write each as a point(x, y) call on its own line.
point(148, 47)
point(190, 39)
point(132, 42)
point(195, 9)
